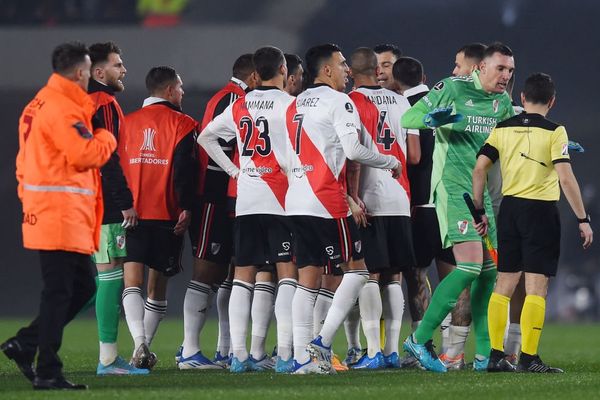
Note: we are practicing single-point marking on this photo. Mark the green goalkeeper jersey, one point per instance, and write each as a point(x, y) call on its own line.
point(457, 145)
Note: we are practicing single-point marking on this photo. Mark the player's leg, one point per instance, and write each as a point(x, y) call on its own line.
point(133, 306)
point(352, 331)
point(155, 307)
point(512, 341)
point(444, 269)
point(223, 352)
point(287, 274)
point(454, 336)
point(329, 284)
point(261, 314)
point(239, 314)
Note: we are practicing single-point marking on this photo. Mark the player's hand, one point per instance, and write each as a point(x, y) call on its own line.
point(585, 230)
point(358, 213)
point(482, 227)
point(396, 172)
point(574, 146)
point(130, 218)
point(441, 116)
point(185, 217)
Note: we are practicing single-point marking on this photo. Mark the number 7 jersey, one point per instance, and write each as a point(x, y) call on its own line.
point(257, 122)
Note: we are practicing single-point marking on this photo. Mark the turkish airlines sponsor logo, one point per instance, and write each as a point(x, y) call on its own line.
point(148, 143)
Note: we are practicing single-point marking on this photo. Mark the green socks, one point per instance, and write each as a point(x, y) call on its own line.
point(444, 299)
point(481, 290)
point(108, 300)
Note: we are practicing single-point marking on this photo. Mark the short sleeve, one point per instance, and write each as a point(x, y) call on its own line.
point(559, 151)
point(346, 120)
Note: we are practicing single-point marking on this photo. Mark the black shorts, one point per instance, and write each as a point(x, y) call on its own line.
point(211, 233)
point(426, 238)
point(318, 241)
point(156, 246)
point(262, 239)
point(528, 236)
point(388, 244)
point(333, 269)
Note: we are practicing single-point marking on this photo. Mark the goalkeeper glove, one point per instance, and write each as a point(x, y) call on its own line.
point(441, 116)
point(574, 146)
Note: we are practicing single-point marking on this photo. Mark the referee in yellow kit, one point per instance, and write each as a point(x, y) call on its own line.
point(534, 158)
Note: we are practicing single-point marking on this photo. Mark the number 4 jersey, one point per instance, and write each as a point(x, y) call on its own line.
point(380, 111)
point(257, 122)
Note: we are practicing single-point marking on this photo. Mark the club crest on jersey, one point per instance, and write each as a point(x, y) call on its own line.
point(358, 246)
point(215, 247)
point(463, 226)
point(329, 250)
point(148, 143)
point(439, 86)
point(495, 105)
point(120, 241)
point(565, 149)
point(349, 108)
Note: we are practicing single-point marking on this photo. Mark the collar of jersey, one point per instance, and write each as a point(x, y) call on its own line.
point(416, 90)
point(316, 85)
point(266, 88)
point(373, 87)
point(97, 86)
point(150, 101)
point(239, 82)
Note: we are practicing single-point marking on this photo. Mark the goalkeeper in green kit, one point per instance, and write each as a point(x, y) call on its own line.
point(463, 110)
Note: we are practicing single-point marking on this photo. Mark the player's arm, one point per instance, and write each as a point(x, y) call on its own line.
point(112, 174)
point(183, 179)
point(568, 182)
point(434, 109)
point(222, 127)
point(413, 147)
point(485, 158)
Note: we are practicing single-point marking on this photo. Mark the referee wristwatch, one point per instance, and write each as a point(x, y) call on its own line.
point(585, 220)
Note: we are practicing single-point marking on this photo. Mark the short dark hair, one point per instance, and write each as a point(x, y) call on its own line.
point(315, 56)
point(497, 47)
point(539, 88)
point(68, 55)
point(363, 62)
point(473, 51)
point(267, 61)
point(408, 71)
point(385, 47)
point(99, 52)
point(293, 61)
point(160, 77)
point(243, 67)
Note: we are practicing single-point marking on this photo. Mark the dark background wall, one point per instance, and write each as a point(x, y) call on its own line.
point(560, 38)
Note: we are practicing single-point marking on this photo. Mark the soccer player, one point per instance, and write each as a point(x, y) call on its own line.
point(295, 75)
point(158, 165)
point(262, 236)
point(387, 237)
point(211, 234)
point(534, 159)
point(323, 129)
point(108, 72)
point(480, 102)
point(410, 78)
point(468, 58)
point(387, 54)
point(59, 186)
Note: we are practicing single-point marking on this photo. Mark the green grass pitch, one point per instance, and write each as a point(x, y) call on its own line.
point(573, 347)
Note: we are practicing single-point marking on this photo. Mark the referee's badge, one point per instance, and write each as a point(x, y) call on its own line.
point(565, 149)
point(463, 226)
point(495, 105)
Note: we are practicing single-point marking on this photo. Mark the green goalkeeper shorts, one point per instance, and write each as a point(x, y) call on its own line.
point(112, 243)
point(454, 217)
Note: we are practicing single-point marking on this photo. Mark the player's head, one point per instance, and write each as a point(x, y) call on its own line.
point(496, 68)
point(107, 66)
point(363, 64)
point(72, 61)
point(408, 73)
point(295, 74)
point(244, 70)
point(539, 89)
point(387, 54)
point(270, 64)
point(326, 64)
point(468, 58)
point(164, 82)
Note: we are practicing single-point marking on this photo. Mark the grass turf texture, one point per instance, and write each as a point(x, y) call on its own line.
point(572, 347)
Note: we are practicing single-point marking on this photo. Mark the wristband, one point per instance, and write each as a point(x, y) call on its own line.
point(585, 220)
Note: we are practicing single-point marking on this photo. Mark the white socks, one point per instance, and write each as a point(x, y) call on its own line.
point(133, 305)
point(108, 353)
point(512, 343)
point(283, 313)
point(262, 310)
point(456, 340)
point(345, 297)
point(239, 316)
point(322, 305)
point(393, 309)
point(370, 314)
point(224, 340)
point(155, 311)
point(195, 307)
point(445, 333)
point(302, 317)
point(352, 327)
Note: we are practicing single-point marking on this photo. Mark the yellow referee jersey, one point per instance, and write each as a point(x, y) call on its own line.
point(528, 146)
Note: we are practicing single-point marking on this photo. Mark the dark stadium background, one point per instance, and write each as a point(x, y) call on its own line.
point(560, 38)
